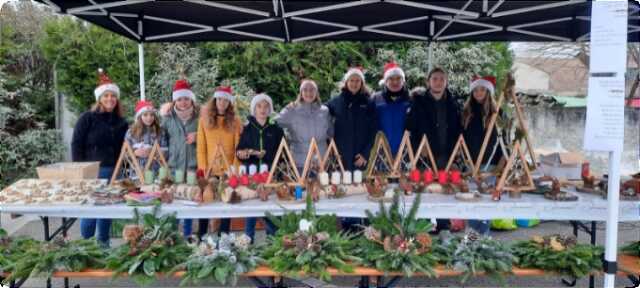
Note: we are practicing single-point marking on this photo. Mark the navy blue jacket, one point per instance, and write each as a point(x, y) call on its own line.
point(392, 111)
point(355, 126)
point(98, 136)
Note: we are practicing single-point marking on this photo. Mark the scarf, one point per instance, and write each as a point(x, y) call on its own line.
point(184, 115)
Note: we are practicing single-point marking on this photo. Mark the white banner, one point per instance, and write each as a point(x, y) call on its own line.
point(604, 129)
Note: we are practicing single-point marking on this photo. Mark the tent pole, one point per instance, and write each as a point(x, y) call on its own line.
point(430, 56)
point(141, 69)
point(613, 201)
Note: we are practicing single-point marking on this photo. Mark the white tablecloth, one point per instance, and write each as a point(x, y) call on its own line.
point(588, 208)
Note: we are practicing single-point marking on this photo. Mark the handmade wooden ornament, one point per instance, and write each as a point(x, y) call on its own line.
point(284, 168)
point(376, 186)
point(332, 161)
point(380, 160)
point(219, 164)
point(209, 193)
point(125, 163)
point(423, 157)
point(132, 233)
point(461, 154)
point(516, 175)
point(313, 188)
point(263, 192)
point(284, 193)
point(313, 162)
point(404, 161)
point(156, 156)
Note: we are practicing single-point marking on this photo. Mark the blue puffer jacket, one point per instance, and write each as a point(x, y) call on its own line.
point(392, 111)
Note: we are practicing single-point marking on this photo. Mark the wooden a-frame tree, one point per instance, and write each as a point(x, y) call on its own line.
point(156, 156)
point(516, 170)
point(284, 168)
point(461, 151)
point(424, 156)
point(404, 161)
point(219, 164)
point(313, 162)
point(380, 159)
point(126, 162)
point(508, 93)
point(332, 161)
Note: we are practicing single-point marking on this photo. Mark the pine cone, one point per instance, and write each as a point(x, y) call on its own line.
point(424, 240)
point(301, 243)
point(473, 236)
point(59, 241)
point(397, 241)
point(387, 244)
point(372, 234)
point(569, 241)
point(287, 242)
point(322, 236)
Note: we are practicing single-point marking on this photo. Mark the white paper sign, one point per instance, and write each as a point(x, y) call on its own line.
point(604, 129)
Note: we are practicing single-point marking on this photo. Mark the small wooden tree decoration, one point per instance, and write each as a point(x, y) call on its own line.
point(156, 156)
point(284, 168)
point(126, 162)
point(516, 175)
point(219, 164)
point(332, 161)
point(461, 151)
point(405, 160)
point(424, 156)
point(380, 159)
point(313, 162)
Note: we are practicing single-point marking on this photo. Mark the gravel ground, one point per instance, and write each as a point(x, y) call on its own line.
point(627, 232)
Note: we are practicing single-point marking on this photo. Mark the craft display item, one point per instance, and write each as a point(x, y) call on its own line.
point(357, 177)
point(108, 195)
point(36, 191)
point(324, 178)
point(468, 196)
point(405, 185)
point(283, 192)
point(557, 194)
point(237, 195)
point(435, 188)
point(428, 177)
point(209, 194)
point(191, 193)
point(376, 186)
point(263, 192)
point(313, 189)
point(347, 178)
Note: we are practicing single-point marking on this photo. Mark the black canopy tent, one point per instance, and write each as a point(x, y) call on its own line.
point(363, 20)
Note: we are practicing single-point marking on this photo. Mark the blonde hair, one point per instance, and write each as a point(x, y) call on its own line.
point(305, 82)
point(364, 88)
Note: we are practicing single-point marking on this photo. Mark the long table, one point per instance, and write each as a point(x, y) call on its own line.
point(529, 206)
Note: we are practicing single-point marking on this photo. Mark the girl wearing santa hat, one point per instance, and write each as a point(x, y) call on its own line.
point(218, 127)
point(304, 119)
point(98, 136)
point(392, 104)
point(145, 132)
point(476, 115)
point(179, 126)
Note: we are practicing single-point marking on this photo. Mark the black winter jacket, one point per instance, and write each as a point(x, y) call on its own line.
point(355, 126)
point(257, 137)
point(98, 136)
point(474, 136)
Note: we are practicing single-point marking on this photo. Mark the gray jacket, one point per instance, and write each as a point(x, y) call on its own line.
point(302, 123)
point(181, 155)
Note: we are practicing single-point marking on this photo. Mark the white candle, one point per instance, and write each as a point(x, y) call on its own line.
point(346, 178)
point(264, 168)
point(335, 178)
point(324, 178)
point(357, 177)
point(253, 169)
point(243, 169)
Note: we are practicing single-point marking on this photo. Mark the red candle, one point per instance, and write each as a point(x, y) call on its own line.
point(428, 176)
point(233, 182)
point(244, 180)
point(415, 176)
point(456, 177)
point(442, 177)
point(257, 178)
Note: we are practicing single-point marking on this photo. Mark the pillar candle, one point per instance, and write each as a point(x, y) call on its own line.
point(148, 177)
point(253, 169)
point(415, 176)
point(357, 177)
point(456, 177)
point(335, 178)
point(428, 176)
point(298, 192)
point(179, 177)
point(162, 173)
point(346, 178)
point(192, 179)
point(264, 168)
point(442, 177)
point(242, 169)
point(324, 178)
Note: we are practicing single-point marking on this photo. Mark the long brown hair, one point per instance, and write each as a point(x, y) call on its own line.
point(97, 107)
point(138, 127)
point(488, 108)
point(229, 120)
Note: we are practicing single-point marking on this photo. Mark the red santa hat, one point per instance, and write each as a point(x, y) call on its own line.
point(357, 71)
point(105, 84)
point(224, 92)
point(391, 69)
point(182, 89)
point(144, 106)
point(260, 97)
point(488, 82)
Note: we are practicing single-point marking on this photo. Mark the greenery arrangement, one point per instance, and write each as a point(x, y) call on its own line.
point(31, 258)
point(397, 241)
point(632, 249)
point(558, 254)
point(309, 244)
point(221, 259)
point(474, 254)
point(154, 245)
